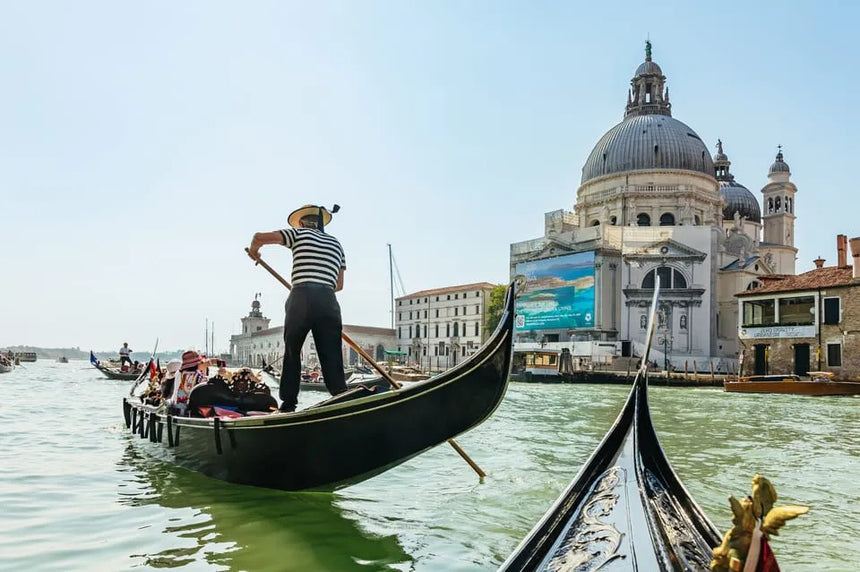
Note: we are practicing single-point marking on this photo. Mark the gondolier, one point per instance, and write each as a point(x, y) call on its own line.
point(318, 266)
point(124, 354)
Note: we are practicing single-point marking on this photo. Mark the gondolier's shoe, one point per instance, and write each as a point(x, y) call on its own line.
point(285, 409)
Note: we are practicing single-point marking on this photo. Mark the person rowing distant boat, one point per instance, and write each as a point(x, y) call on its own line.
point(318, 266)
point(124, 355)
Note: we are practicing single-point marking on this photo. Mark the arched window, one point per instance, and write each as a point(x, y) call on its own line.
point(417, 330)
point(669, 278)
point(643, 321)
point(456, 329)
point(595, 222)
point(613, 220)
point(776, 204)
point(753, 285)
point(642, 219)
point(770, 205)
point(667, 219)
point(788, 204)
point(683, 322)
point(697, 220)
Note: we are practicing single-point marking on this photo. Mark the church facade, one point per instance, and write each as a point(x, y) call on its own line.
point(654, 204)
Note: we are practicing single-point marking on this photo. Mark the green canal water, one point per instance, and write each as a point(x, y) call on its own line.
point(77, 492)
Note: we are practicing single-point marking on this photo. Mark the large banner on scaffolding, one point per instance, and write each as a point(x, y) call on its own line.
point(559, 293)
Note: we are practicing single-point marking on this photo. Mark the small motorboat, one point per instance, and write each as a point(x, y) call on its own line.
point(819, 383)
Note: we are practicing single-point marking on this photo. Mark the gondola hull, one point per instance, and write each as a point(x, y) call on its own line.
point(6, 368)
point(331, 446)
point(111, 373)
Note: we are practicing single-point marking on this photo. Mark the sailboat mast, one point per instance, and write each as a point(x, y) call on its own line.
point(391, 279)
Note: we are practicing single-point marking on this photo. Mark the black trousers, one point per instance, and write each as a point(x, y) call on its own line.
point(123, 359)
point(311, 308)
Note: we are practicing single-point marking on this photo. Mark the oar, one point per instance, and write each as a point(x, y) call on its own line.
point(370, 360)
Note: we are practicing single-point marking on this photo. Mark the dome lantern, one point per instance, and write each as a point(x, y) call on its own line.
point(737, 198)
point(648, 94)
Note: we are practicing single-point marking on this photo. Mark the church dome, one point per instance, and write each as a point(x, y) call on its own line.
point(648, 137)
point(779, 166)
point(739, 199)
point(648, 142)
point(648, 67)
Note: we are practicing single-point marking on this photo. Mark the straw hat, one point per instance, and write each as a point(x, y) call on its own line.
point(308, 210)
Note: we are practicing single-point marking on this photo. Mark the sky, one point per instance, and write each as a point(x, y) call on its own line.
point(143, 144)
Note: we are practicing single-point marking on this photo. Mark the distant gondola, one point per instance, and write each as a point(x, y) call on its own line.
point(338, 442)
point(6, 368)
point(626, 509)
point(115, 373)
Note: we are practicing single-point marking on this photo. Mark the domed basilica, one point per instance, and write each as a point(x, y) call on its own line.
point(653, 203)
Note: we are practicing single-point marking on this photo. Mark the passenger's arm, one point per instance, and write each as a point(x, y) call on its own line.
point(339, 285)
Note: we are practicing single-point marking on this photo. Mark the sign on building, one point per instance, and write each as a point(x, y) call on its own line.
point(559, 293)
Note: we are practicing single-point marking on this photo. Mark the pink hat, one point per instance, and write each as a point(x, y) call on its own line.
point(190, 359)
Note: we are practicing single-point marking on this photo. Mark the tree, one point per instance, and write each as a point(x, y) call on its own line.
point(495, 307)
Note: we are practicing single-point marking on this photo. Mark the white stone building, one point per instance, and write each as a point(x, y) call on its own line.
point(653, 202)
point(437, 328)
point(259, 342)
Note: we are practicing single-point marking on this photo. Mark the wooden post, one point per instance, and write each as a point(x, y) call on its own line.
point(628, 369)
point(712, 371)
point(686, 363)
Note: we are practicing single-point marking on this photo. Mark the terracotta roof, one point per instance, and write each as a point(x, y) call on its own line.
point(826, 277)
point(449, 289)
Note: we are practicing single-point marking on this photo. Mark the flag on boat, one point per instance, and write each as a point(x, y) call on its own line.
point(152, 371)
point(93, 359)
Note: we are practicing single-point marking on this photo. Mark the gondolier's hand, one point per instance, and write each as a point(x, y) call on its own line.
point(259, 240)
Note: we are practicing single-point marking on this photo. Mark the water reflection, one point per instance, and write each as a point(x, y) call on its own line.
point(245, 528)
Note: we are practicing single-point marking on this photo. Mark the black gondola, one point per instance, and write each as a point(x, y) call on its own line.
point(336, 443)
point(626, 509)
point(115, 373)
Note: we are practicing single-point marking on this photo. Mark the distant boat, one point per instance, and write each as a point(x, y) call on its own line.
point(117, 373)
point(6, 368)
point(821, 383)
point(63, 359)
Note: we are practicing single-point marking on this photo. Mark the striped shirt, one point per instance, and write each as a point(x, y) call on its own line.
point(317, 257)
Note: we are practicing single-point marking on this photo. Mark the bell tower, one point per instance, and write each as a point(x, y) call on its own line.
point(255, 321)
point(778, 216)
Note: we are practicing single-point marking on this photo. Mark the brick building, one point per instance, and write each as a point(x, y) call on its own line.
point(808, 322)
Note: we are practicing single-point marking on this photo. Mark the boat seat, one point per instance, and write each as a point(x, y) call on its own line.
point(209, 395)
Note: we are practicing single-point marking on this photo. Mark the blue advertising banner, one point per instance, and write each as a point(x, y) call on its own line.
point(559, 293)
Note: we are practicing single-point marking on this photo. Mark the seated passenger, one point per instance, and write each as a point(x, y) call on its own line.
point(190, 374)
